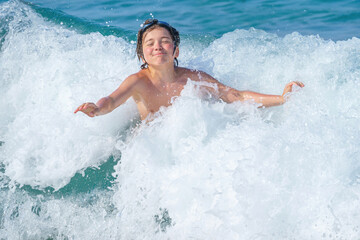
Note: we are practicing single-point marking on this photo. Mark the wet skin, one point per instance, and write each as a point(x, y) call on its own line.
point(161, 81)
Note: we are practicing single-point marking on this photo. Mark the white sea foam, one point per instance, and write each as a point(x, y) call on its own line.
point(47, 71)
point(236, 172)
point(201, 169)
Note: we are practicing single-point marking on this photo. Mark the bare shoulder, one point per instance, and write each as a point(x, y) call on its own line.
point(136, 80)
point(132, 85)
point(196, 75)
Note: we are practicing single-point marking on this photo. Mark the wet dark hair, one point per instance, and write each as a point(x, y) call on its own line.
point(149, 25)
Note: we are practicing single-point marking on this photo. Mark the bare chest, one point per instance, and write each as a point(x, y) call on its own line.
point(151, 99)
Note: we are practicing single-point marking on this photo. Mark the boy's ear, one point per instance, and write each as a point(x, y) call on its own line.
point(177, 52)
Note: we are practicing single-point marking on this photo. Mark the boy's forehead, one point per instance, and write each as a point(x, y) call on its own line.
point(156, 32)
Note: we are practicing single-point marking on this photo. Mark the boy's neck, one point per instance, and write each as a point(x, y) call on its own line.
point(163, 74)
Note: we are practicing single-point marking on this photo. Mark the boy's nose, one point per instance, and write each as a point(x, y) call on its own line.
point(157, 46)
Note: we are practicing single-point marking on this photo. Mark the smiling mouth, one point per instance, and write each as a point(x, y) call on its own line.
point(159, 54)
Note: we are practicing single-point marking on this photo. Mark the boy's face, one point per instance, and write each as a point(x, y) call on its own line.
point(158, 47)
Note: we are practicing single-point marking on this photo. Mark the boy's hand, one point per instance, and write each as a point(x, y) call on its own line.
point(87, 108)
point(289, 86)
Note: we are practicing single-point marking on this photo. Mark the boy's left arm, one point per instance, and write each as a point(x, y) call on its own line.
point(230, 95)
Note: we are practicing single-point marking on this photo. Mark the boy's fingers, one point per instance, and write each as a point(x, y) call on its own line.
point(87, 108)
point(77, 109)
point(300, 84)
point(80, 108)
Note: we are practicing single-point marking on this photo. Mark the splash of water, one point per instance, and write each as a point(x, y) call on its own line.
point(201, 168)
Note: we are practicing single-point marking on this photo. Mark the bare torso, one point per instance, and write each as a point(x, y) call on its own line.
point(150, 96)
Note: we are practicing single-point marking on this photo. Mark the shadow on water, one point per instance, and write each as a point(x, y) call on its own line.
point(86, 181)
point(84, 190)
point(92, 178)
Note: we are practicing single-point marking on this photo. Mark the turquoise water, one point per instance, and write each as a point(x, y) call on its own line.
point(336, 20)
point(202, 169)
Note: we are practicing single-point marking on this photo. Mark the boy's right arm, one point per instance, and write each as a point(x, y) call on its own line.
point(115, 99)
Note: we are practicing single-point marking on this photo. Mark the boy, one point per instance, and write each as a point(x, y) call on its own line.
point(160, 79)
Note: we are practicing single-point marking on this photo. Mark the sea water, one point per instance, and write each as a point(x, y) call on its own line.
point(203, 169)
